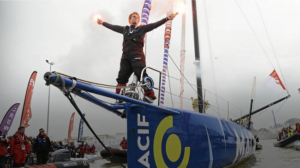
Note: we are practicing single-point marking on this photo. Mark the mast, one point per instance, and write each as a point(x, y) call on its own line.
point(197, 55)
point(251, 102)
point(182, 57)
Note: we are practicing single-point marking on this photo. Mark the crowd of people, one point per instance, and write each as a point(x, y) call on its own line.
point(19, 146)
point(288, 131)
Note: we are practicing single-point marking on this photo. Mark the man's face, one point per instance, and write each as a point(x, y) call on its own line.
point(135, 19)
point(22, 130)
point(42, 132)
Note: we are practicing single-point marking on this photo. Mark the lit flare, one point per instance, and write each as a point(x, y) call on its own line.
point(96, 17)
point(181, 7)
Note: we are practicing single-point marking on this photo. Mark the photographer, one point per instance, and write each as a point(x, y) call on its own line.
point(3, 149)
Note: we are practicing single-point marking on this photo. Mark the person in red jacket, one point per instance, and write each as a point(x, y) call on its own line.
point(124, 143)
point(297, 130)
point(93, 149)
point(88, 149)
point(3, 149)
point(82, 150)
point(19, 147)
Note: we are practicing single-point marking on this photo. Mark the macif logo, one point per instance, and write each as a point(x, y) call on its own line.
point(173, 145)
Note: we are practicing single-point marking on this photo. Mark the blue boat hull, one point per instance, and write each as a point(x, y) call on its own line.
point(157, 139)
point(167, 137)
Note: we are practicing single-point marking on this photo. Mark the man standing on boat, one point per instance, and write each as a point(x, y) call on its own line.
point(133, 58)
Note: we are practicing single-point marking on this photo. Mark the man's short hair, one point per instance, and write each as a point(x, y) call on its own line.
point(129, 17)
point(20, 128)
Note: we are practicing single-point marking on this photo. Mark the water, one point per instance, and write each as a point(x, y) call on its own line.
point(272, 157)
point(268, 157)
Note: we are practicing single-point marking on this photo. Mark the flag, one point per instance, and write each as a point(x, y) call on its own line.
point(146, 12)
point(145, 18)
point(26, 112)
point(80, 130)
point(274, 120)
point(274, 83)
point(9, 118)
point(71, 127)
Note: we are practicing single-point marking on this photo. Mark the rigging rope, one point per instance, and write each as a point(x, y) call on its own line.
point(70, 98)
point(277, 111)
point(254, 34)
point(113, 87)
point(188, 81)
point(210, 51)
point(170, 89)
point(272, 46)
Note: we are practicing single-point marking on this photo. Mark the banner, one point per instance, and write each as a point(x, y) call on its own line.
point(274, 83)
point(71, 124)
point(274, 120)
point(9, 118)
point(145, 18)
point(80, 130)
point(165, 60)
point(26, 112)
point(146, 12)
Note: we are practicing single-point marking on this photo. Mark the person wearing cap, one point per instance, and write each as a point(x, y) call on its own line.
point(42, 147)
point(3, 149)
point(133, 58)
point(19, 147)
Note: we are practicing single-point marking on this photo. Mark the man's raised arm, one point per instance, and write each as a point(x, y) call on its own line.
point(152, 26)
point(118, 29)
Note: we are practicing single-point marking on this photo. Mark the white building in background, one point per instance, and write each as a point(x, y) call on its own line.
point(119, 137)
point(108, 140)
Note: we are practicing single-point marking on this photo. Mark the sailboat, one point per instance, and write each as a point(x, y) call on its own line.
point(163, 136)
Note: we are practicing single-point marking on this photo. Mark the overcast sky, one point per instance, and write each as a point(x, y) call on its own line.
point(64, 33)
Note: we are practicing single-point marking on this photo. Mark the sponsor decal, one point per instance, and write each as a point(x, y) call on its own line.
point(172, 147)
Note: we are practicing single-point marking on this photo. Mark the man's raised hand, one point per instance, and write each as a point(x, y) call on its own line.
point(171, 17)
point(99, 21)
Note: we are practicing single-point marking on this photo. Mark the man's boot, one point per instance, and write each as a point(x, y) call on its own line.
point(118, 90)
point(149, 96)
